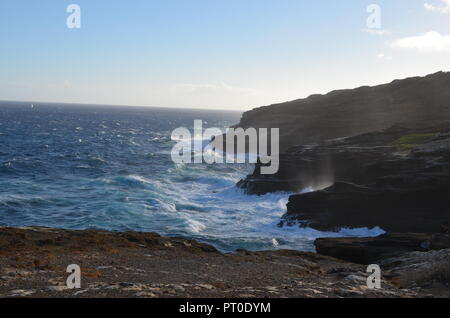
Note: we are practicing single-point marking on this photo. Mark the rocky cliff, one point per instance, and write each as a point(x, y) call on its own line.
point(350, 112)
point(397, 178)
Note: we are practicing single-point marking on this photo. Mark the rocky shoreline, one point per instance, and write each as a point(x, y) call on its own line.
point(33, 263)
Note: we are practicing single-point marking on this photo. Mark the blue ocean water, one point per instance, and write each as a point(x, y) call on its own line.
point(105, 167)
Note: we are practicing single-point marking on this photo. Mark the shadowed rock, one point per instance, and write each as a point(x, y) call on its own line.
point(397, 179)
point(372, 250)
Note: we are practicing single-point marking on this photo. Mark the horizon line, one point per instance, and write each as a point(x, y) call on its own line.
point(118, 105)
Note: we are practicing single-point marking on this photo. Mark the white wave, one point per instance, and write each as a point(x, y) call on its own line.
point(137, 178)
point(275, 242)
point(203, 202)
point(195, 226)
point(213, 207)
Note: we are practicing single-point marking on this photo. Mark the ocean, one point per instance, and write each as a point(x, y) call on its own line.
point(109, 167)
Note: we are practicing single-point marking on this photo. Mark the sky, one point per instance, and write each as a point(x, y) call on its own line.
point(217, 54)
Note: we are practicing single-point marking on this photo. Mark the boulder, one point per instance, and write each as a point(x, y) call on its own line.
point(372, 250)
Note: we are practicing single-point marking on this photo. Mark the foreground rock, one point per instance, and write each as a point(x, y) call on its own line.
point(33, 263)
point(429, 270)
point(406, 259)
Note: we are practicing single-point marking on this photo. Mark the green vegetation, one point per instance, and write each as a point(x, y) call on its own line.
point(408, 142)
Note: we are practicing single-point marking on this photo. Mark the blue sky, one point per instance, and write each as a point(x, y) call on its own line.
point(227, 54)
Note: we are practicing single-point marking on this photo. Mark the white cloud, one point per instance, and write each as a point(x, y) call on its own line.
point(428, 42)
point(444, 8)
point(379, 32)
point(383, 56)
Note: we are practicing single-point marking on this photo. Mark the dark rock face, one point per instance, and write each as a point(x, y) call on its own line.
point(394, 210)
point(398, 179)
point(445, 229)
point(440, 241)
point(355, 111)
point(372, 250)
point(363, 159)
